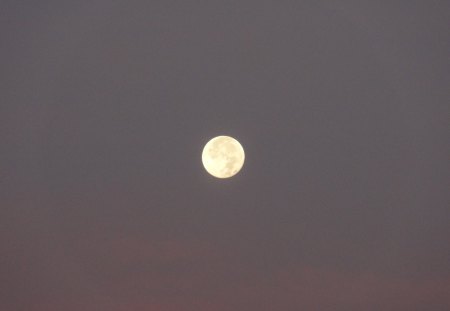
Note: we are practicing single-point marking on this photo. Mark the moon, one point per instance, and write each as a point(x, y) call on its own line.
point(223, 156)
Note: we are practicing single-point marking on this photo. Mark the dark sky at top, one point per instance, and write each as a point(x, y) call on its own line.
point(342, 108)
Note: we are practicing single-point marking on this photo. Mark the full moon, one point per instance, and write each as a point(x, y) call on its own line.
point(223, 156)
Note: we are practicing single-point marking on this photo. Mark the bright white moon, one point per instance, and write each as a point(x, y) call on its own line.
point(223, 156)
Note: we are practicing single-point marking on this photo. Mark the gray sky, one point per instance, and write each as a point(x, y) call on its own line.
point(342, 109)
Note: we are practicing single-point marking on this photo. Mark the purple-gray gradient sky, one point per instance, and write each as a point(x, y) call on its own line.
point(342, 108)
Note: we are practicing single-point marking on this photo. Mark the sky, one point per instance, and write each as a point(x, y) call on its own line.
point(341, 106)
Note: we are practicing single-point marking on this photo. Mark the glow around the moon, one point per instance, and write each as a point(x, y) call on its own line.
point(223, 156)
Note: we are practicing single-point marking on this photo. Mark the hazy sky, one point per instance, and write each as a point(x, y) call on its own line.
point(342, 108)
